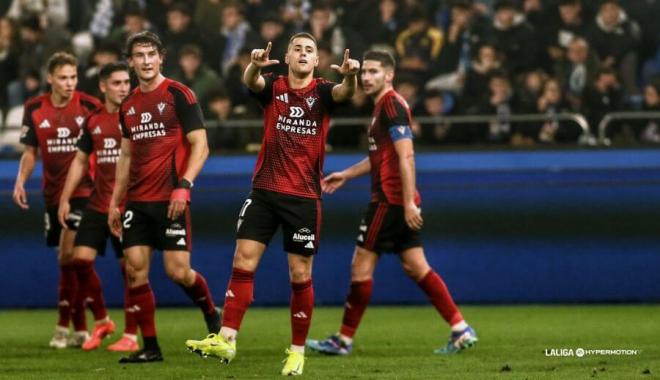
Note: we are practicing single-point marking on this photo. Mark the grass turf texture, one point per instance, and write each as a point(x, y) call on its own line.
point(392, 343)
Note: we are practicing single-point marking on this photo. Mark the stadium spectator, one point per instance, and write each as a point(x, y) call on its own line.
point(180, 31)
point(323, 26)
point(649, 130)
point(418, 45)
point(437, 104)
point(498, 100)
point(102, 55)
point(207, 15)
point(220, 111)
point(463, 34)
point(382, 28)
point(8, 58)
point(529, 91)
point(513, 37)
point(557, 34)
point(476, 80)
point(272, 29)
point(235, 33)
point(239, 94)
point(194, 73)
point(408, 87)
point(350, 136)
point(393, 219)
point(286, 190)
point(604, 95)
point(157, 11)
point(296, 13)
point(51, 123)
point(550, 103)
point(326, 60)
point(616, 38)
point(134, 22)
point(576, 70)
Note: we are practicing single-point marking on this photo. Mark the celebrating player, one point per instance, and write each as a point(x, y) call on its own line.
point(100, 137)
point(286, 189)
point(393, 220)
point(163, 149)
point(51, 123)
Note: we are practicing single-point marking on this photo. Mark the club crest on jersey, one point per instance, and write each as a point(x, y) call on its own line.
point(97, 130)
point(161, 107)
point(131, 111)
point(283, 98)
point(296, 111)
point(44, 124)
point(310, 100)
point(79, 120)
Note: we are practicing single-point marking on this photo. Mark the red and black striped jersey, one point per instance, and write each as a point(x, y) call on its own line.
point(296, 124)
point(101, 139)
point(391, 120)
point(55, 132)
point(156, 123)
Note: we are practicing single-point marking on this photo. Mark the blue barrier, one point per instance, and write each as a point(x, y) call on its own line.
point(500, 227)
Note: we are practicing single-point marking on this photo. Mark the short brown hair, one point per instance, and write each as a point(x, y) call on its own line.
point(61, 58)
point(144, 38)
point(384, 57)
point(303, 35)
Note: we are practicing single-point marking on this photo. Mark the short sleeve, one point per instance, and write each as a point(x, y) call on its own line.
point(187, 109)
point(122, 125)
point(266, 95)
point(28, 134)
point(85, 143)
point(325, 93)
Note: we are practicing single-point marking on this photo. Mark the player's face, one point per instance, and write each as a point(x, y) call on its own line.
point(375, 77)
point(302, 56)
point(116, 87)
point(146, 61)
point(63, 80)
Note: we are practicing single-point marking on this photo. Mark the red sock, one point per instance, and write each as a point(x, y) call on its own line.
point(302, 306)
point(90, 288)
point(238, 298)
point(130, 324)
point(439, 296)
point(200, 294)
point(143, 306)
point(356, 304)
point(68, 285)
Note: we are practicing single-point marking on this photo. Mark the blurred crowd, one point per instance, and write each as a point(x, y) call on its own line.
point(455, 57)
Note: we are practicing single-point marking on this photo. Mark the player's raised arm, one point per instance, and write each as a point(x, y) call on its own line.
point(77, 170)
point(25, 168)
point(121, 185)
point(334, 181)
point(259, 58)
point(348, 69)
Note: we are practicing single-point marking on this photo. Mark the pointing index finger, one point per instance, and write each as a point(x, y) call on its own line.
point(346, 55)
point(268, 47)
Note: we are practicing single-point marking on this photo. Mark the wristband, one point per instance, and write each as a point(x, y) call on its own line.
point(184, 184)
point(180, 194)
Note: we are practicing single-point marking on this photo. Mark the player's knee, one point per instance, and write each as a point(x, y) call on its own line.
point(178, 275)
point(415, 271)
point(360, 272)
point(244, 259)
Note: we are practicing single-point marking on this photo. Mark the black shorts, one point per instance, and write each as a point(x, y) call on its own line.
point(383, 229)
point(146, 223)
point(93, 232)
point(52, 227)
point(264, 211)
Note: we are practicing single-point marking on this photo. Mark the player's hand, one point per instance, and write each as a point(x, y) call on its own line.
point(348, 66)
point(178, 202)
point(334, 181)
point(413, 215)
point(63, 213)
point(259, 57)
point(114, 221)
point(20, 197)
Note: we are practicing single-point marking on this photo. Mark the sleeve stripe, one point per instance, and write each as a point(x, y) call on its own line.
point(190, 97)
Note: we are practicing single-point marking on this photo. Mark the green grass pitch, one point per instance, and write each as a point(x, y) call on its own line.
point(392, 343)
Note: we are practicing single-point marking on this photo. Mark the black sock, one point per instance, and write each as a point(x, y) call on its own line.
point(151, 343)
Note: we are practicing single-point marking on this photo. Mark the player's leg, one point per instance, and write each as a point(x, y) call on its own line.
point(142, 303)
point(67, 282)
point(177, 267)
point(417, 268)
point(128, 340)
point(257, 222)
point(78, 317)
point(362, 270)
